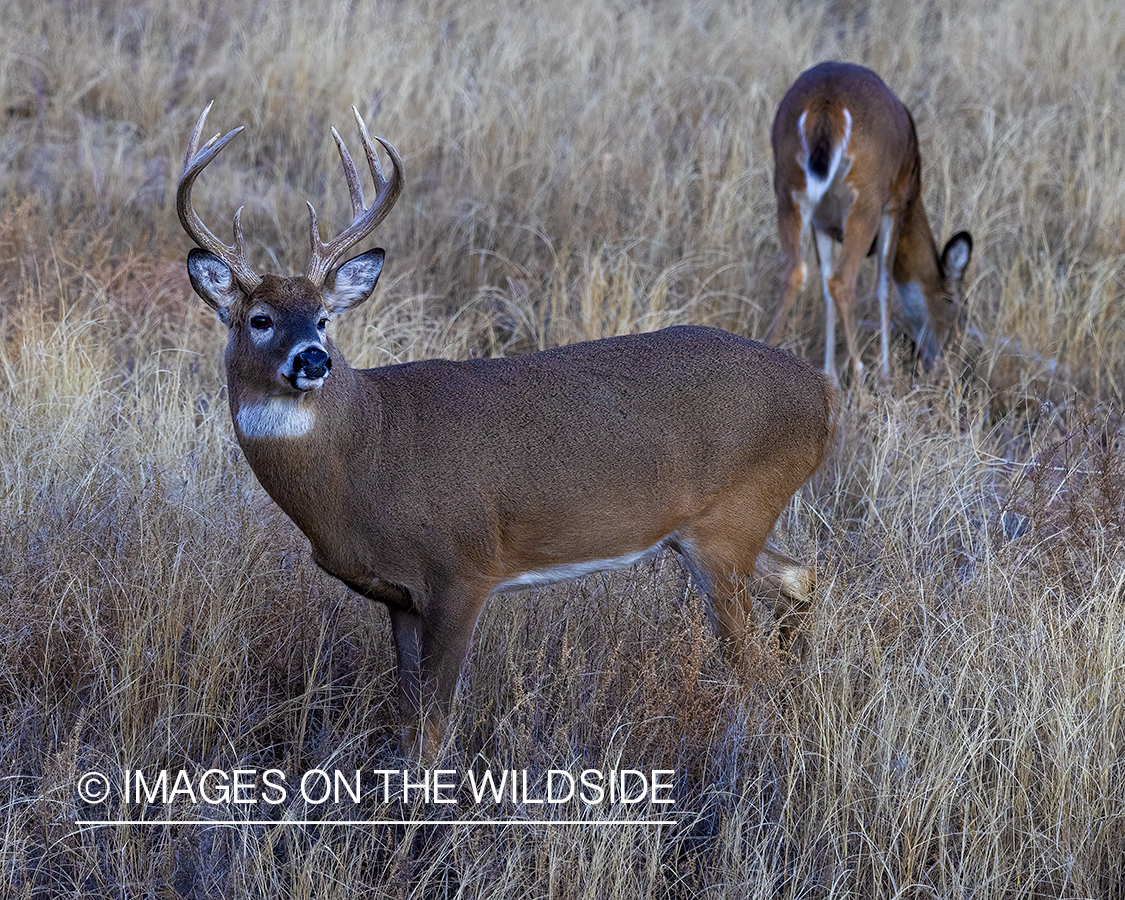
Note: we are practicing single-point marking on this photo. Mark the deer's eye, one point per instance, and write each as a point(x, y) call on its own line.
point(322, 324)
point(261, 323)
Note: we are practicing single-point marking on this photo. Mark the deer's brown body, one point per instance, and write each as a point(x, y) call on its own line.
point(847, 168)
point(429, 485)
point(522, 466)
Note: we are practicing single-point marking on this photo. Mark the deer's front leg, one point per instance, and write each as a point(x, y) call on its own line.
point(431, 642)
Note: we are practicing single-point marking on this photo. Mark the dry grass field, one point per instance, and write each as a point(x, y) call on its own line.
point(951, 721)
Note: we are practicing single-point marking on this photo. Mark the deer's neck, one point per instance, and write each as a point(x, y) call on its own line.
point(295, 443)
point(277, 418)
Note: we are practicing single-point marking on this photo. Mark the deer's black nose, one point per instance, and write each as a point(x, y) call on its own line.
point(312, 362)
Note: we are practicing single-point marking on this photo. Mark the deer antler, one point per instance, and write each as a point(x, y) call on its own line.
point(195, 161)
point(326, 255)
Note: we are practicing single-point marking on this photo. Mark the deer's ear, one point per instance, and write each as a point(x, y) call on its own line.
point(213, 281)
point(956, 255)
point(353, 282)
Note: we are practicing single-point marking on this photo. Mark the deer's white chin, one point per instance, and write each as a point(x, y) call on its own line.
point(304, 383)
point(276, 417)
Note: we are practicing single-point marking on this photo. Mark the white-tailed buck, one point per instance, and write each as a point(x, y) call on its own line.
point(429, 485)
point(846, 166)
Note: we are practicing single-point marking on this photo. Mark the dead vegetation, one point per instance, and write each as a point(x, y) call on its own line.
point(950, 723)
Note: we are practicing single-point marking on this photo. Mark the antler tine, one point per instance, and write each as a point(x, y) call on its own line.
point(369, 151)
point(195, 161)
point(355, 189)
point(365, 219)
point(193, 141)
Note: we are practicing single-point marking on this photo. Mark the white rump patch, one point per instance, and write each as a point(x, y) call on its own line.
point(815, 188)
point(566, 571)
point(278, 417)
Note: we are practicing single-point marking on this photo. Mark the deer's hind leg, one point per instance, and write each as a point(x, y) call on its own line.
point(727, 555)
point(721, 560)
point(793, 229)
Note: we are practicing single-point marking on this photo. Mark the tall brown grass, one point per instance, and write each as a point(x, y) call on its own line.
point(950, 723)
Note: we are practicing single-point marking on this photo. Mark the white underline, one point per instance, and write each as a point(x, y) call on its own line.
point(98, 823)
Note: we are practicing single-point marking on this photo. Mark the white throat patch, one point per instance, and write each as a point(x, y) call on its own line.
point(277, 417)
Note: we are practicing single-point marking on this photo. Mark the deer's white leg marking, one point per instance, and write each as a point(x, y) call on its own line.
point(824, 250)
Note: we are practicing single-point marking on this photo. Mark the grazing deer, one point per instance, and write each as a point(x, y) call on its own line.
point(846, 165)
point(429, 485)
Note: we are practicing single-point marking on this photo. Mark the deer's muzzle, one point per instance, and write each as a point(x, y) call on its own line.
point(310, 367)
